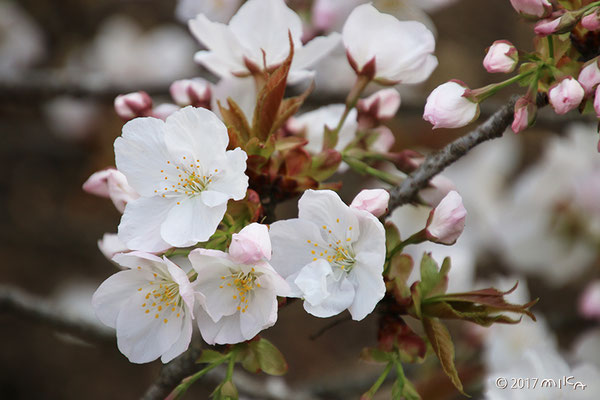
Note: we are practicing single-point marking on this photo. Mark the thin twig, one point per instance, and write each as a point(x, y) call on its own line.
point(336, 321)
point(30, 307)
point(435, 163)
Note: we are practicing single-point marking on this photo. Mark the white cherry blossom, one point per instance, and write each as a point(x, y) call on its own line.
point(184, 175)
point(257, 35)
point(239, 297)
point(402, 50)
point(150, 304)
point(332, 256)
point(312, 124)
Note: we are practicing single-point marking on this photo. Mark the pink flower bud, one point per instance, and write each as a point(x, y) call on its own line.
point(589, 302)
point(547, 27)
point(502, 56)
point(131, 105)
point(591, 22)
point(164, 110)
point(374, 201)
point(251, 244)
point(439, 187)
point(565, 95)
point(385, 139)
point(381, 105)
point(532, 8)
point(597, 101)
point(447, 107)
point(111, 183)
point(194, 92)
point(525, 113)
point(447, 221)
point(589, 77)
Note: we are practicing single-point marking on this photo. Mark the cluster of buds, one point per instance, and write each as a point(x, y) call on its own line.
point(549, 70)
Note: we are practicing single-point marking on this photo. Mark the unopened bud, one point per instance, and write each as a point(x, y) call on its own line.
point(447, 106)
point(195, 92)
point(374, 201)
point(565, 95)
point(591, 22)
point(502, 56)
point(525, 113)
point(381, 105)
point(447, 221)
point(589, 77)
point(532, 8)
point(132, 105)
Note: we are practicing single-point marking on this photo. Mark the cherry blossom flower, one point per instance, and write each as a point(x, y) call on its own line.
point(565, 95)
point(239, 289)
point(332, 256)
point(502, 56)
point(112, 184)
point(447, 106)
point(257, 35)
point(312, 124)
point(447, 221)
point(386, 49)
point(150, 305)
point(184, 175)
point(110, 245)
point(382, 105)
point(216, 10)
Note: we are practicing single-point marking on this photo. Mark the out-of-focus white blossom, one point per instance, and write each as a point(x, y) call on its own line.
point(195, 92)
point(382, 105)
point(256, 35)
point(215, 10)
point(389, 50)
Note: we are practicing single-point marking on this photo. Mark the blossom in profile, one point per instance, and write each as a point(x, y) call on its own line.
point(195, 92)
point(332, 256)
point(447, 106)
point(112, 184)
point(589, 77)
point(131, 105)
point(150, 305)
point(184, 175)
point(239, 289)
point(374, 201)
point(381, 105)
point(258, 37)
point(388, 50)
point(532, 8)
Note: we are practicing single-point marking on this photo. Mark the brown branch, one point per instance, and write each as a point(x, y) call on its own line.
point(33, 308)
point(493, 127)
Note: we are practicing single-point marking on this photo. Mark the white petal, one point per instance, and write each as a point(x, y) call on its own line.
point(293, 241)
point(143, 337)
point(135, 259)
point(140, 225)
point(184, 340)
point(140, 154)
point(191, 221)
point(419, 73)
point(369, 285)
point(186, 290)
point(325, 209)
point(260, 314)
point(314, 51)
point(272, 280)
point(312, 280)
point(341, 295)
point(225, 331)
point(196, 133)
point(225, 53)
point(251, 244)
point(114, 292)
point(264, 25)
point(231, 178)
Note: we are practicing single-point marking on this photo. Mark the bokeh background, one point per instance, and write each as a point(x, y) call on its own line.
point(62, 62)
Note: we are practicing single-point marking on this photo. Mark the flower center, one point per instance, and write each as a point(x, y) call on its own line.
point(187, 178)
point(162, 298)
point(244, 283)
point(338, 251)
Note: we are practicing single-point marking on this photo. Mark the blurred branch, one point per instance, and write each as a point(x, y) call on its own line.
point(435, 163)
point(21, 304)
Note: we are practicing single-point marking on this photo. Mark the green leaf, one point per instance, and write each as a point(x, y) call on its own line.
point(442, 345)
point(375, 355)
point(480, 315)
point(225, 391)
point(325, 164)
point(269, 358)
point(392, 236)
point(433, 282)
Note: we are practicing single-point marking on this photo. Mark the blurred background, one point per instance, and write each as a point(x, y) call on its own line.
point(533, 199)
